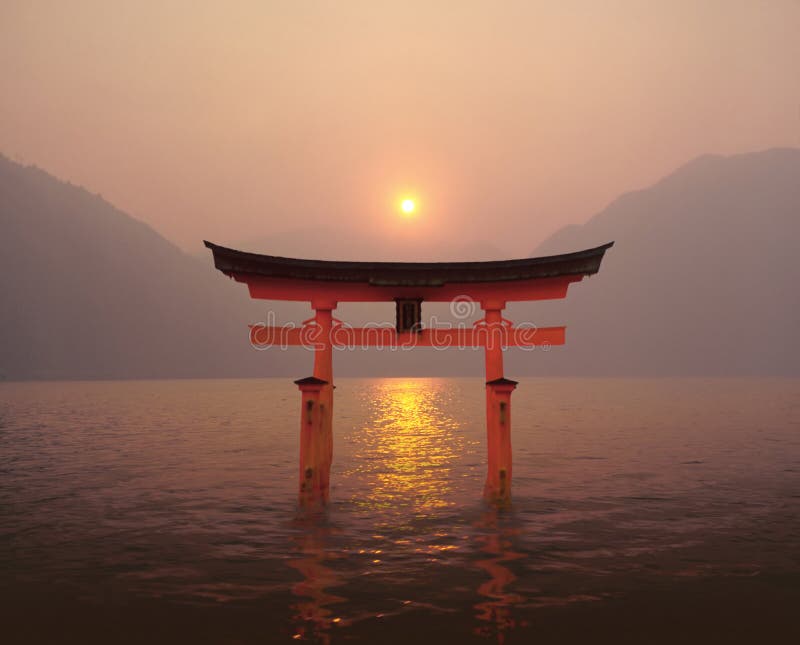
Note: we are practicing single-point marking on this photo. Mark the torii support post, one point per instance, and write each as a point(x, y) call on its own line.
point(316, 434)
point(498, 439)
point(313, 463)
point(498, 406)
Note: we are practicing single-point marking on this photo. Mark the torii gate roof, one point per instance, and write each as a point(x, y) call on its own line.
point(407, 274)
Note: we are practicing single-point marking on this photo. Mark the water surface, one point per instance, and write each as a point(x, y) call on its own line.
point(167, 510)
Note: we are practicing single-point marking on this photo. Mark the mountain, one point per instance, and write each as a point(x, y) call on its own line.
point(89, 292)
point(703, 278)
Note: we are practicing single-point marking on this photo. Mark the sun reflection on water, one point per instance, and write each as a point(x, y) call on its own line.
point(407, 448)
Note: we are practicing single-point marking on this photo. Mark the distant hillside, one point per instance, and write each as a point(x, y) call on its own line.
point(89, 292)
point(704, 278)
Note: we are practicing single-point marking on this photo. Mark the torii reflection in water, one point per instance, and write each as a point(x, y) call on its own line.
point(497, 534)
point(313, 615)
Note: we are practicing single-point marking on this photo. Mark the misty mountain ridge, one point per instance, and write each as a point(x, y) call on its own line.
point(703, 278)
point(90, 292)
point(702, 281)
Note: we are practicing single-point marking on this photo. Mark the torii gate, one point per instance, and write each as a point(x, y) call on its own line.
point(324, 284)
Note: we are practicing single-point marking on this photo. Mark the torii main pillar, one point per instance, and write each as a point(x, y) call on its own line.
point(498, 406)
point(316, 424)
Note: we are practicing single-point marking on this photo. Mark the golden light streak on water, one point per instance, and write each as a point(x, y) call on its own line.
point(407, 447)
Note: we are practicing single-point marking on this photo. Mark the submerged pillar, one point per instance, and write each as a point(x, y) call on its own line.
point(498, 406)
point(498, 436)
point(323, 370)
point(314, 468)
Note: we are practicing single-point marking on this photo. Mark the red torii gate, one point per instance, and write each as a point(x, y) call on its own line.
point(324, 284)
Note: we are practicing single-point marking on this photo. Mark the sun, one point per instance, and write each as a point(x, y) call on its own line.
point(408, 206)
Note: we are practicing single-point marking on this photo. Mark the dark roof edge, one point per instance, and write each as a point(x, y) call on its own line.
point(583, 262)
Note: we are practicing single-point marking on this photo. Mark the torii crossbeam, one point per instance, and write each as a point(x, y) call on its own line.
point(325, 283)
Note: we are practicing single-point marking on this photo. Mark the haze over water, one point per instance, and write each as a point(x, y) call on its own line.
point(166, 511)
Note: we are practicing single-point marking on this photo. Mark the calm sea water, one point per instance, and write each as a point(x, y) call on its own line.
point(155, 502)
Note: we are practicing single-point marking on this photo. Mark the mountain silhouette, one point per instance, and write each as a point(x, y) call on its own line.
point(703, 278)
point(90, 292)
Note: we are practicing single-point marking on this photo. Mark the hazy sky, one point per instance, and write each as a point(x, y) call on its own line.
point(237, 120)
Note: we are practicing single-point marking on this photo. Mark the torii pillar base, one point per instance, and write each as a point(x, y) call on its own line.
point(315, 458)
point(498, 439)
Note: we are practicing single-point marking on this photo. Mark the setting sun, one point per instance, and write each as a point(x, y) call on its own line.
point(408, 206)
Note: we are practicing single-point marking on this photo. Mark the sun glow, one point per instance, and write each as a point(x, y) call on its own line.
point(408, 207)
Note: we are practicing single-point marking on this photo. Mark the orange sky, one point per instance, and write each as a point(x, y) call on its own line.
point(235, 121)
